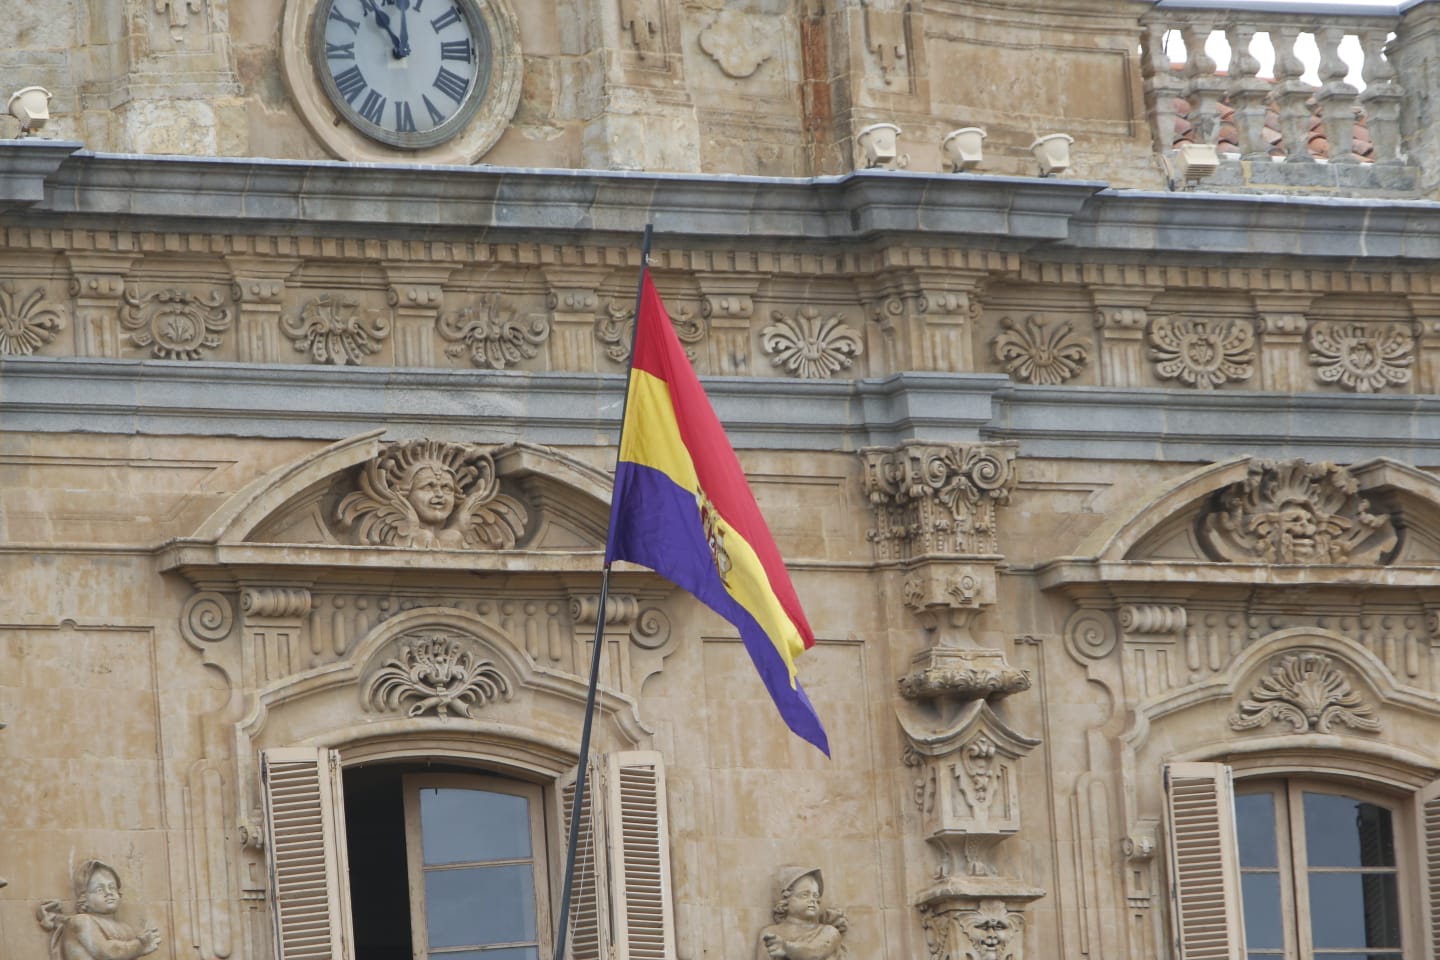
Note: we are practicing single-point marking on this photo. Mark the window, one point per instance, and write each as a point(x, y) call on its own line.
point(1299, 869)
point(444, 862)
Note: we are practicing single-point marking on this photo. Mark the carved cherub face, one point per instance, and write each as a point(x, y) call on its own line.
point(803, 899)
point(102, 893)
point(432, 491)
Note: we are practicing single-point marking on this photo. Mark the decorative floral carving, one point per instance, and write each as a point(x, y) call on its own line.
point(1361, 357)
point(1307, 692)
point(493, 332)
point(811, 346)
point(1202, 353)
point(425, 493)
point(1297, 512)
point(739, 42)
point(1034, 354)
point(937, 498)
point(435, 672)
point(977, 757)
point(617, 330)
point(333, 330)
point(28, 323)
point(175, 324)
point(92, 930)
point(964, 684)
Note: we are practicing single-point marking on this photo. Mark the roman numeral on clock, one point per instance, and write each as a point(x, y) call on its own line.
point(373, 109)
point(404, 119)
point(350, 83)
point(451, 84)
point(335, 14)
point(339, 51)
point(445, 19)
point(455, 50)
point(435, 115)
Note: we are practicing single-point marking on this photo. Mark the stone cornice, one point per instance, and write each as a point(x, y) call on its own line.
point(58, 185)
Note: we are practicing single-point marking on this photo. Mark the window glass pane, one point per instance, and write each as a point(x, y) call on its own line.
point(1344, 832)
point(499, 953)
point(1260, 893)
point(1255, 828)
point(463, 826)
point(1353, 910)
point(479, 905)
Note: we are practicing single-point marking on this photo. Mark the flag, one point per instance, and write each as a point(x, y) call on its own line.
point(682, 508)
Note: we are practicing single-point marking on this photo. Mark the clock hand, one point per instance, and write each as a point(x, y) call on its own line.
point(382, 19)
point(404, 48)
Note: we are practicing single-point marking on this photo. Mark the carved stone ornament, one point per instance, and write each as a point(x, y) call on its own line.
point(616, 329)
point(93, 930)
point(1202, 353)
point(1031, 353)
point(27, 323)
point(739, 42)
point(1296, 512)
point(1360, 357)
point(332, 329)
point(1307, 692)
point(962, 675)
point(437, 673)
point(426, 493)
point(493, 333)
point(810, 346)
point(988, 931)
point(802, 928)
point(937, 498)
point(175, 324)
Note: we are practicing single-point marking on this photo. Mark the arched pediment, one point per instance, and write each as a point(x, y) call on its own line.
point(433, 495)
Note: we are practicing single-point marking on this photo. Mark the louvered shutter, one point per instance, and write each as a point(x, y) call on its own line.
point(589, 921)
point(305, 833)
point(1427, 811)
point(1204, 862)
point(639, 838)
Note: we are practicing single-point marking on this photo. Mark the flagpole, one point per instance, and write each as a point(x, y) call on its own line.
point(598, 646)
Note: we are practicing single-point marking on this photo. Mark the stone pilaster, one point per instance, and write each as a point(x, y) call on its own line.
point(415, 293)
point(574, 301)
point(273, 637)
point(98, 285)
point(728, 303)
point(1281, 323)
point(1427, 324)
point(1120, 317)
point(258, 287)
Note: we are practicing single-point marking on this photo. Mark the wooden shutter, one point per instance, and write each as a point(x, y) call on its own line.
point(640, 856)
point(305, 834)
point(1204, 862)
point(1427, 812)
point(589, 921)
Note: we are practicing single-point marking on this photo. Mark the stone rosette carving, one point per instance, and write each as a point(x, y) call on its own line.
point(1202, 353)
point(175, 324)
point(1297, 512)
point(987, 931)
point(27, 323)
point(802, 928)
point(435, 672)
point(1033, 351)
point(1306, 691)
point(1361, 357)
point(739, 42)
point(616, 329)
point(93, 930)
point(493, 333)
point(427, 493)
point(809, 345)
point(936, 498)
point(334, 330)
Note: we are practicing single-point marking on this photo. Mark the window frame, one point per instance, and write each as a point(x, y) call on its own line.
point(540, 859)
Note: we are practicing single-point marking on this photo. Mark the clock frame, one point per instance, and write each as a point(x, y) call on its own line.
point(347, 129)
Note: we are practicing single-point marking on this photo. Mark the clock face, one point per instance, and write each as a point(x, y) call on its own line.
point(408, 73)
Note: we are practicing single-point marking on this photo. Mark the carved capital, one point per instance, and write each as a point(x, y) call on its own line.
point(937, 498)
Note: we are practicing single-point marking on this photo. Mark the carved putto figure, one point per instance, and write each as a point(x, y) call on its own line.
point(426, 493)
point(92, 932)
point(1297, 512)
point(803, 930)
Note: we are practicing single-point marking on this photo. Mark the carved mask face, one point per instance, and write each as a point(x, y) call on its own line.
point(432, 494)
point(102, 893)
point(1298, 528)
point(804, 898)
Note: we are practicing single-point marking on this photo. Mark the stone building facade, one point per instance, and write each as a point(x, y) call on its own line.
point(1112, 495)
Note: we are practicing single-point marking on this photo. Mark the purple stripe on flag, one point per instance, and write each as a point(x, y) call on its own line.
point(656, 523)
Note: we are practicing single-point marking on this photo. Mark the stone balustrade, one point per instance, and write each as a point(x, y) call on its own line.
point(1295, 101)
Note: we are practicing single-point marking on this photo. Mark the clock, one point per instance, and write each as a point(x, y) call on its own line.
point(436, 81)
point(409, 73)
